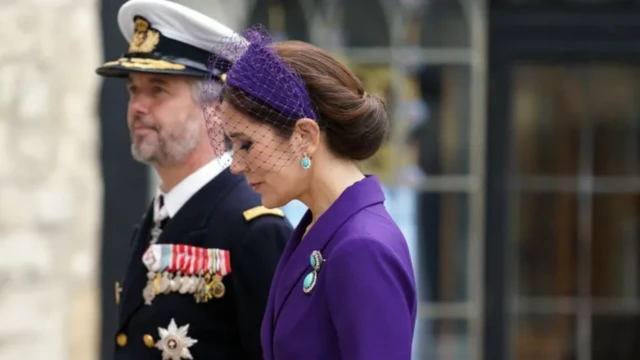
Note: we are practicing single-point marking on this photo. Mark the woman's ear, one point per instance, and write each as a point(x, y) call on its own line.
point(308, 132)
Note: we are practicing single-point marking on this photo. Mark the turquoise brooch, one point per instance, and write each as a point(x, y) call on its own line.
point(316, 261)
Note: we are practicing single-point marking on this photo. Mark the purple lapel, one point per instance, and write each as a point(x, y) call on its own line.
point(356, 197)
point(268, 322)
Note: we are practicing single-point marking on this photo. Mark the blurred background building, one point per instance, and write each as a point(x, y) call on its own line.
point(513, 167)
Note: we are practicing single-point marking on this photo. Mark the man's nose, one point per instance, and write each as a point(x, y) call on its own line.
point(139, 104)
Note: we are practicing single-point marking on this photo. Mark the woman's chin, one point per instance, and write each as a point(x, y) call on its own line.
point(271, 202)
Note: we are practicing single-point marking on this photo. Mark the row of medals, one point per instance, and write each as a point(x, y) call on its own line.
point(203, 288)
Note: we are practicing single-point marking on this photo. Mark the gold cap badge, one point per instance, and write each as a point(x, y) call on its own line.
point(145, 39)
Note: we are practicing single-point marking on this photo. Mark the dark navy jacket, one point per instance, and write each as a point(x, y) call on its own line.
point(225, 328)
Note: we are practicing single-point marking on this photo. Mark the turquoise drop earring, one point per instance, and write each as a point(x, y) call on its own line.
point(306, 162)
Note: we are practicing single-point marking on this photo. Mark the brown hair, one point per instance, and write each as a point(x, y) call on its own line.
point(355, 123)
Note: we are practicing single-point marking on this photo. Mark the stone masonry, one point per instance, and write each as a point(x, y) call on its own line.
point(50, 187)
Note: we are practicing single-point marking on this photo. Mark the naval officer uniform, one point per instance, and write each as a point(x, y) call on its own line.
point(203, 255)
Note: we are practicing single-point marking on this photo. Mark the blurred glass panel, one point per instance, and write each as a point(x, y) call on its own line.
point(545, 233)
point(563, 3)
point(544, 337)
point(615, 337)
point(442, 222)
point(612, 94)
point(436, 23)
point(285, 19)
point(546, 114)
point(615, 246)
point(401, 205)
point(431, 114)
point(365, 23)
point(441, 339)
point(553, 104)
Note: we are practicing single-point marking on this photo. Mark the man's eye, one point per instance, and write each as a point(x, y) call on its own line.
point(158, 90)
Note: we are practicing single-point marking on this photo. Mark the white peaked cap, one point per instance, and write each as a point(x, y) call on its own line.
point(168, 38)
point(174, 21)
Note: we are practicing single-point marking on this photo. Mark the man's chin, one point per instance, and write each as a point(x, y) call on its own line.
point(146, 157)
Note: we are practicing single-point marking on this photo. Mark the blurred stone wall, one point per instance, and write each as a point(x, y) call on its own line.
point(50, 187)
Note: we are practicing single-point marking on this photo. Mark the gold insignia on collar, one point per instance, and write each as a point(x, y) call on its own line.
point(261, 211)
point(145, 39)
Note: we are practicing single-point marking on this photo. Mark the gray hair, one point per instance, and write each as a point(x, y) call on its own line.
point(205, 91)
point(196, 90)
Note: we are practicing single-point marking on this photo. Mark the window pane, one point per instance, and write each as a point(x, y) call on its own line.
point(554, 105)
point(365, 23)
point(436, 23)
point(612, 93)
point(616, 246)
point(546, 115)
point(545, 245)
point(433, 118)
point(284, 19)
point(442, 223)
point(615, 337)
point(548, 337)
point(563, 3)
point(441, 339)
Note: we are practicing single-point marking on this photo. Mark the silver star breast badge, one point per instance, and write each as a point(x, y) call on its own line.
point(174, 342)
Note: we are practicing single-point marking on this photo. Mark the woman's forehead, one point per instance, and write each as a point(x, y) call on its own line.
point(236, 123)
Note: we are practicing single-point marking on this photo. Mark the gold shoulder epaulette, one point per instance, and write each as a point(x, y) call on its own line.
point(261, 211)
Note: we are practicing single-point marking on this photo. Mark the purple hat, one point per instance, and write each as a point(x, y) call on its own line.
point(270, 92)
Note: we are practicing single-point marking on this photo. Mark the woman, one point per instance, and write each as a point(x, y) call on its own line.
point(299, 122)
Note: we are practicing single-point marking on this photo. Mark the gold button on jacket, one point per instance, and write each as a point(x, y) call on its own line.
point(148, 340)
point(121, 339)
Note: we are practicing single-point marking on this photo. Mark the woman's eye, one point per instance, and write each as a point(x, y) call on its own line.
point(245, 145)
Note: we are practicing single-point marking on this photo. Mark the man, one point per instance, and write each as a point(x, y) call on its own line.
point(203, 256)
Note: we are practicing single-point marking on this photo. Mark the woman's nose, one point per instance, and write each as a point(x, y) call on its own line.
point(236, 166)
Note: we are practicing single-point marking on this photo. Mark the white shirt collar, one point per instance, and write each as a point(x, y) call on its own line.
point(181, 193)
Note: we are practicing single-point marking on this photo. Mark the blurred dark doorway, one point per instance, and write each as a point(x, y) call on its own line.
point(563, 197)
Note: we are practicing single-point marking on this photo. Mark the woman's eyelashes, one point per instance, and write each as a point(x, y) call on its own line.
point(246, 145)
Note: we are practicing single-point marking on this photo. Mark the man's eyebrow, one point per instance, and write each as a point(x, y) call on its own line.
point(153, 80)
point(157, 80)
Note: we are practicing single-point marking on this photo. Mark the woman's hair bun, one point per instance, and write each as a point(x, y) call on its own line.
point(360, 129)
point(355, 122)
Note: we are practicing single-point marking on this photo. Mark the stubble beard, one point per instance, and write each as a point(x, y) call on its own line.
point(167, 147)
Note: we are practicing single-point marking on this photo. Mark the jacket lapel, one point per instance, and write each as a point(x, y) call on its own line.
point(355, 198)
point(188, 226)
point(135, 277)
point(268, 322)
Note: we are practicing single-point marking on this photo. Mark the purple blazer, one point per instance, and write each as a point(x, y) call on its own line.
point(363, 303)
